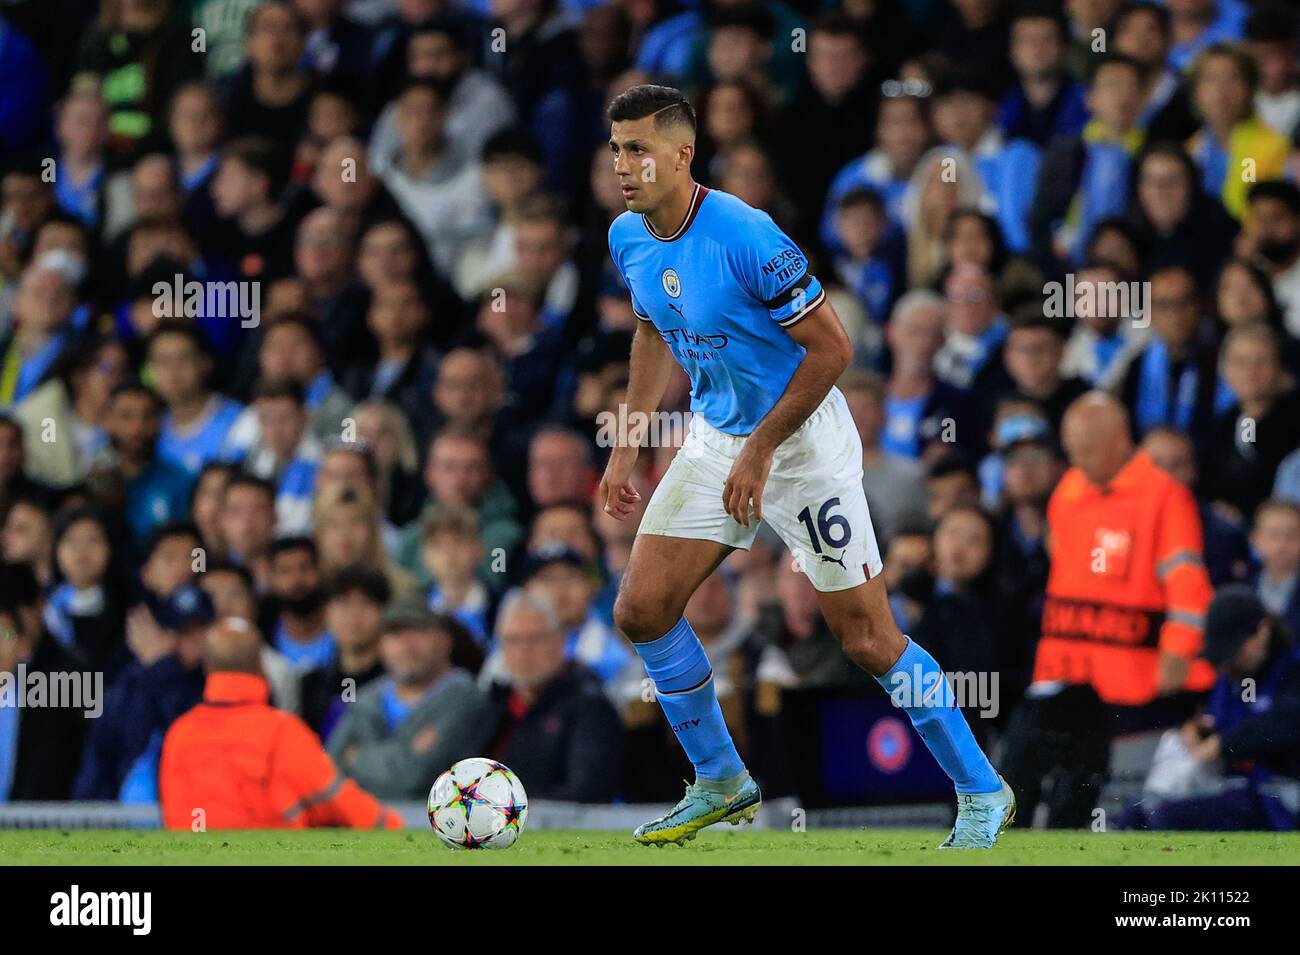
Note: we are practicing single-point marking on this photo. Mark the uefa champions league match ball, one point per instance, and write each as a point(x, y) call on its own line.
point(478, 804)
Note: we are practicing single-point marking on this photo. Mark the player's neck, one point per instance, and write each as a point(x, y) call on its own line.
point(672, 212)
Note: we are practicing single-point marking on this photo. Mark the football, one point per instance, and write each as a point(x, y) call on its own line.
point(478, 804)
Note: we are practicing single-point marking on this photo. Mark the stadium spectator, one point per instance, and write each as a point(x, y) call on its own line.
point(1271, 239)
point(299, 630)
point(198, 421)
point(40, 746)
point(1223, 82)
point(1227, 552)
point(570, 583)
point(1250, 733)
point(148, 40)
point(243, 764)
point(247, 524)
point(1107, 334)
point(286, 453)
point(1173, 380)
point(27, 537)
point(354, 601)
point(420, 717)
point(269, 96)
point(1275, 538)
point(1247, 441)
point(42, 319)
point(452, 553)
point(1031, 467)
point(164, 680)
point(551, 719)
point(1084, 179)
point(83, 607)
point(73, 401)
point(1181, 223)
point(153, 490)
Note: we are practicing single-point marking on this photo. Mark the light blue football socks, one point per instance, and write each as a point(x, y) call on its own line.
point(919, 686)
point(683, 679)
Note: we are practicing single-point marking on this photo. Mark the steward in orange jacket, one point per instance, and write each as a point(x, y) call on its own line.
point(1127, 590)
point(247, 765)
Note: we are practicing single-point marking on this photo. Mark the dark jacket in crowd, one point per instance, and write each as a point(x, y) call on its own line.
point(323, 694)
point(1241, 472)
point(567, 745)
point(126, 741)
point(49, 737)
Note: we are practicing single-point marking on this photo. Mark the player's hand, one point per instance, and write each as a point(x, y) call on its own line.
point(617, 495)
point(745, 483)
point(1172, 674)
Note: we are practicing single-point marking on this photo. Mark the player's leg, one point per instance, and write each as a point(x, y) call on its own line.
point(662, 574)
point(816, 503)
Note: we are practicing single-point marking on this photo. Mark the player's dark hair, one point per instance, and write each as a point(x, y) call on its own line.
point(667, 105)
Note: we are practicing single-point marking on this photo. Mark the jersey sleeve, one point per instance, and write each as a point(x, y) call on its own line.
point(775, 271)
point(637, 310)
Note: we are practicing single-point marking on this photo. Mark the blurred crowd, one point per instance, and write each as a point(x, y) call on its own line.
point(307, 318)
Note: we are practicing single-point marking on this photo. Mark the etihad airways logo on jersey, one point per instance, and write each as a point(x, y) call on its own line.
point(684, 336)
point(787, 265)
point(694, 346)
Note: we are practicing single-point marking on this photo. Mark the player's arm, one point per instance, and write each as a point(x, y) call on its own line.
point(828, 352)
point(649, 371)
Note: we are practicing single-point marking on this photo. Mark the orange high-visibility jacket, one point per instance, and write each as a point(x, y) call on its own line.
point(1127, 581)
point(247, 765)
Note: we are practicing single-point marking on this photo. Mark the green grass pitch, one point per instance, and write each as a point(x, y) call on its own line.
point(581, 847)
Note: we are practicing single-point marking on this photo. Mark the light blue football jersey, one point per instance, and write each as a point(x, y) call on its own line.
point(721, 291)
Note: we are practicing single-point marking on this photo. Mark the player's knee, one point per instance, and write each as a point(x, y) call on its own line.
point(868, 641)
point(640, 619)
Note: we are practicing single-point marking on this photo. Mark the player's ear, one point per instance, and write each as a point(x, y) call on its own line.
point(685, 154)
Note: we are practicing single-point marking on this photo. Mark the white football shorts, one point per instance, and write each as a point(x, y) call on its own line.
point(813, 498)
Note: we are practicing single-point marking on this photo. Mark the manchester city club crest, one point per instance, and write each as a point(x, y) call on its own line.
point(672, 284)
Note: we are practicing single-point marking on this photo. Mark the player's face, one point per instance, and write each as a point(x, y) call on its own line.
point(648, 161)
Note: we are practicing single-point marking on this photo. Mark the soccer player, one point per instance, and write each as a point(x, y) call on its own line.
point(720, 289)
